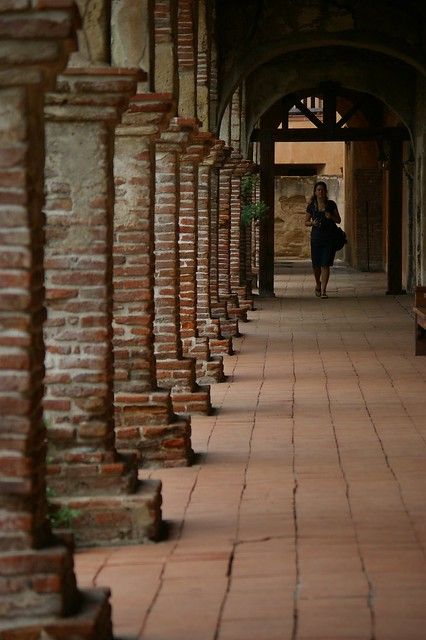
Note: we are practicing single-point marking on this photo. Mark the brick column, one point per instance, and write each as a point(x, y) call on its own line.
point(144, 418)
point(173, 370)
point(219, 307)
point(208, 369)
point(255, 227)
point(39, 594)
point(224, 232)
point(230, 167)
point(248, 233)
point(238, 282)
point(85, 471)
point(207, 325)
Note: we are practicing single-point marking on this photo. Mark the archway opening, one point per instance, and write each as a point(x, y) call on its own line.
point(377, 187)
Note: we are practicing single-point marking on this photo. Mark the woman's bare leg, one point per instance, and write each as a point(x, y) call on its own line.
point(325, 275)
point(317, 274)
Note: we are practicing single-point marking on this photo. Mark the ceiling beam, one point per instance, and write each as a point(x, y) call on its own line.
point(346, 134)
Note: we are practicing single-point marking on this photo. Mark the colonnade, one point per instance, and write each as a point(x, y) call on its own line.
point(125, 274)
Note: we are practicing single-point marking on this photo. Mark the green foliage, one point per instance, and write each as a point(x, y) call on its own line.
point(63, 517)
point(251, 210)
point(248, 186)
point(60, 516)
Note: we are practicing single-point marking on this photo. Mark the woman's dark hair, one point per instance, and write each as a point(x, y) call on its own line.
point(317, 184)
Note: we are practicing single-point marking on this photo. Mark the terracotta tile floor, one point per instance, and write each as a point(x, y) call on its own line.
point(304, 517)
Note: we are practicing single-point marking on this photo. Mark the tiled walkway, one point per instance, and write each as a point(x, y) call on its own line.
point(304, 516)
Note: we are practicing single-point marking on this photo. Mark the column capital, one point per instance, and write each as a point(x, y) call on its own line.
point(222, 153)
point(37, 41)
point(148, 114)
point(199, 147)
point(91, 94)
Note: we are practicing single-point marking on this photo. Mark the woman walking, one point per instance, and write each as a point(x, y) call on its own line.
point(322, 215)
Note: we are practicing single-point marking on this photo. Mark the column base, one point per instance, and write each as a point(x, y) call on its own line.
point(219, 310)
point(115, 477)
point(91, 622)
point(159, 445)
point(246, 303)
point(221, 346)
point(212, 329)
point(195, 402)
point(176, 372)
point(115, 520)
point(210, 371)
point(238, 313)
point(230, 327)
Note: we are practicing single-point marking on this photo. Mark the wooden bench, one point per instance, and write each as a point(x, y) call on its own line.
point(420, 321)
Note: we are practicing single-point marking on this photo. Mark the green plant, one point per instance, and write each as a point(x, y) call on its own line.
point(63, 517)
point(248, 186)
point(251, 210)
point(60, 516)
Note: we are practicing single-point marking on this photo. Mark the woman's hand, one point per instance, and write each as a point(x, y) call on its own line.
point(333, 215)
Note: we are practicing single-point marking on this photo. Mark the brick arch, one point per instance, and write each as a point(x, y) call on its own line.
point(301, 72)
point(266, 31)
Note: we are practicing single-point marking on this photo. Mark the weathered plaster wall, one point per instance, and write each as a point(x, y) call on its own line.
point(130, 38)
point(93, 40)
point(292, 194)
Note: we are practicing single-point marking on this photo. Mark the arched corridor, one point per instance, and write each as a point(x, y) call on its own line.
point(277, 463)
point(304, 514)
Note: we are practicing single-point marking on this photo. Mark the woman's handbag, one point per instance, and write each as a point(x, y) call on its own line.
point(339, 238)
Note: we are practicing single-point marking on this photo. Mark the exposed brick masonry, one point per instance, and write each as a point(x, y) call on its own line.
point(219, 306)
point(206, 324)
point(39, 593)
point(144, 418)
point(173, 371)
point(229, 169)
point(238, 281)
point(85, 471)
point(185, 36)
point(208, 369)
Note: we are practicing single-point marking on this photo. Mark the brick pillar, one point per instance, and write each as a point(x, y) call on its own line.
point(207, 325)
point(85, 471)
point(238, 282)
point(144, 418)
point(216, 309)
point(248, 232)
point(255, 227)
point(230, 167)
point(173, 370)
point(39, 594)
point(208, 369)
point(224, 234)
point(219, 307)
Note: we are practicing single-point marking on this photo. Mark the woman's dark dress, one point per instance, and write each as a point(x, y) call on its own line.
point(322, 251)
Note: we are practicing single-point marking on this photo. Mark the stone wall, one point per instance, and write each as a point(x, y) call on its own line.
point(292, 195)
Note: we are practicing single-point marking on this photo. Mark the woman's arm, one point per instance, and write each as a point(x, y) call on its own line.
point(308, 220)
point(333, 213)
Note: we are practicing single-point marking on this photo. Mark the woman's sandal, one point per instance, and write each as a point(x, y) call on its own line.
point(324, 295)
point(318, 292)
